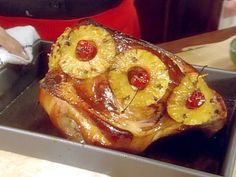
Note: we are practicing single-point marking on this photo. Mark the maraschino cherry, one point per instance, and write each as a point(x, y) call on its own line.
point(195, 100)
point(138, 77)
point(85, 50)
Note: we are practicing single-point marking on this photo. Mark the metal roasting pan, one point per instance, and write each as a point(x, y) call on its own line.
point(25, 129)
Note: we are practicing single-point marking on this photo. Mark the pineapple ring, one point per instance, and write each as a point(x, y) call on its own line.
point(84, 69)
point(55, 53)
point(176, 103)
point(156, 87)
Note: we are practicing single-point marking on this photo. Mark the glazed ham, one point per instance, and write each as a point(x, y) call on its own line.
point(108, 89)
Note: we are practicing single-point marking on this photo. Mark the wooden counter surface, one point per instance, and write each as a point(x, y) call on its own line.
point(211, 49)
point(205, 38)
point(202, 52)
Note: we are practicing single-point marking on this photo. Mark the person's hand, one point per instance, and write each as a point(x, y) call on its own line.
point(11, 45)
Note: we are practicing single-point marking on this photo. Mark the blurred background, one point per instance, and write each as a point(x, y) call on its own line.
point(159, 20)
point(167, 20)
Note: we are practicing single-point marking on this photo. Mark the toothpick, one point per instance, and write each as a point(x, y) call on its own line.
point(130, 101)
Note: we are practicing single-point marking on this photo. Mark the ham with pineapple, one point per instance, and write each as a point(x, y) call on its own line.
point(108, 89)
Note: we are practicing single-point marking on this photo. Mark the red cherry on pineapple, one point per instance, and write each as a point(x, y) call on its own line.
point(85, 50)
point(195, 100)
point(138, 77)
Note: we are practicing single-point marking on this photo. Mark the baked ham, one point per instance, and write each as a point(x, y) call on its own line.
point(108, 89)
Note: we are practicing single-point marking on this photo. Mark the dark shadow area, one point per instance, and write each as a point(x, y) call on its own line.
point(166, 20)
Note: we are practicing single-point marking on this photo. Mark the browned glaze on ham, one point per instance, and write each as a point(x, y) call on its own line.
point(87, 109)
